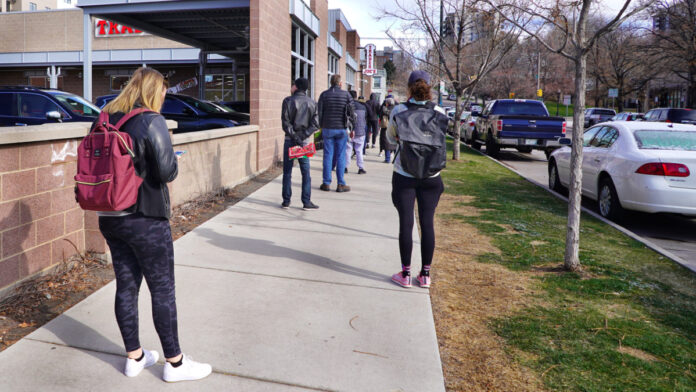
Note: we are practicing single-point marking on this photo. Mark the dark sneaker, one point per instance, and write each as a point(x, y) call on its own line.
point(343, 188)
point(325, 187)
point(310, 206)
point(362, 171)
point(286, 204)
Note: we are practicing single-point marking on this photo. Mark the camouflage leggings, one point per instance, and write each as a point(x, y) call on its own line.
point(142, 246)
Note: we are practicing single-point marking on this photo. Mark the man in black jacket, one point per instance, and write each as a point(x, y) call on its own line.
point(336, 118)
point(373, 120)
point(300, 121)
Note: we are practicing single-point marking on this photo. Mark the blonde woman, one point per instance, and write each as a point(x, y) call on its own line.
point(140, 237)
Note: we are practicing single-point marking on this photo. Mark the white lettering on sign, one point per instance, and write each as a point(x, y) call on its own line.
point(369, 60)
point(106, 28)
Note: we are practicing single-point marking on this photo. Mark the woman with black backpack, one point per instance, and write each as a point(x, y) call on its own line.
point(418, 127)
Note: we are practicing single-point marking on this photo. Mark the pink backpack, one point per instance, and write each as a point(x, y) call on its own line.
point(106, 178)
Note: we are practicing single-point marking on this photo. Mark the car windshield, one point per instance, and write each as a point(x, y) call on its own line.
point(666, 140)
point(684, 115)
point(520, 108)
point(604, 112)
point(200, 105)
point(78, 105)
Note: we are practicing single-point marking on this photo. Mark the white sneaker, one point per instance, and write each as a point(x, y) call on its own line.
point(189, 370)
point(133, 367)
point(380, 154)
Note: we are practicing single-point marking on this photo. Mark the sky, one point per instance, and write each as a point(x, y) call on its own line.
point(361, 16)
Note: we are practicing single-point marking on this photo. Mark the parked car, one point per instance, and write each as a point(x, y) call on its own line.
point(192, 114)
point(628, 116)
point(673, 115)
point(520, 123)
point(26, 105)
point(466, 127)
point(452, 97)
point(627, 165)
point(237, 106)
point(598, 115)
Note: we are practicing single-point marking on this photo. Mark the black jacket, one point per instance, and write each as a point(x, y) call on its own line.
point(374, 108)
point(335, 109)
point(154, 161)
point(300, 117)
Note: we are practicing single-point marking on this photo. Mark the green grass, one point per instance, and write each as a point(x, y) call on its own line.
point(551, 107)
point(626, 295)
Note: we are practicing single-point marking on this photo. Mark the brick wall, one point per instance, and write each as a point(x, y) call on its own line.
point(37, 208)
point(321, 80)
point(269, 74)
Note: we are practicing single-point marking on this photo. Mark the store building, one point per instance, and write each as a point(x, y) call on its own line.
point(230, 50)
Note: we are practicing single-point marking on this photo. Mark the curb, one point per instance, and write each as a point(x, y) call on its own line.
point(646, 242)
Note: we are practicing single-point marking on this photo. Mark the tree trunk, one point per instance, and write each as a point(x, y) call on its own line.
point(455, 127)
point(619, 99)
point(572, 251)
point(691, 90)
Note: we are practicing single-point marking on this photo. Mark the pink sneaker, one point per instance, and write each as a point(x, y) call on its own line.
point(423, 281)
point(399, 279)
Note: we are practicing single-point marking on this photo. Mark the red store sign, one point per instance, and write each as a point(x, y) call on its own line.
point(105, 28)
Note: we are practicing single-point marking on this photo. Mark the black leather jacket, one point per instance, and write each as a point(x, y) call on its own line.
point(300, 117)
point(154, 161)
point(335, 109)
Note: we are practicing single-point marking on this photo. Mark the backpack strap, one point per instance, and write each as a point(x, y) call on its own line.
point(130, 115)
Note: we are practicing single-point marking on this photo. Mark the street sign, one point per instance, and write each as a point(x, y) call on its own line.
point(369, 60)
point(566, 100)
point(613, 92)
point(540, 93)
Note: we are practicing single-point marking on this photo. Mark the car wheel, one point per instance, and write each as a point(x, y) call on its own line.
point(474, 141)
point(492, 147)
point(524, 150)
point(554, 179)
point(608, 201)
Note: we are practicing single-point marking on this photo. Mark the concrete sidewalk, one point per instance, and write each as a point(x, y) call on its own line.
point(275, 300)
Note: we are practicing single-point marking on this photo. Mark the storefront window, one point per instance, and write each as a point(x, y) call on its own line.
point(302, 56)
point(117, 83)
point(377, 82)
point(333, 66)
point(225, 88)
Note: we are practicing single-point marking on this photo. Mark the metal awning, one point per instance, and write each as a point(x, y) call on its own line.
point(213, 26)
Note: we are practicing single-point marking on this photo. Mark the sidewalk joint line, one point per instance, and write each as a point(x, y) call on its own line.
point(221, 372)
point(417, 291)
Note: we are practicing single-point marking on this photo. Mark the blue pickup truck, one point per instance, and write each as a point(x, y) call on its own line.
point(523, 124)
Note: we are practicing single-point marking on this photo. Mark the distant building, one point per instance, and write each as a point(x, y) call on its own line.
point(30, 5)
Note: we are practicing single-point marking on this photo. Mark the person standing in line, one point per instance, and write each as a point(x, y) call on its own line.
point(384, 144)
point(300, 121)
point(358, 134)
point(417, 172)
point(373, 120)
point(140, 238)
point(336, 117)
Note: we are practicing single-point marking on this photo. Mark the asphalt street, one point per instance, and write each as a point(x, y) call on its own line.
point(674, 233)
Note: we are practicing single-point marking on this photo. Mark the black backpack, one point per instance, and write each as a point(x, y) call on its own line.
point(422, 143)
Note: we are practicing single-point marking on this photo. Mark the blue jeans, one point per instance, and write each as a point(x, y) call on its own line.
point(334, 144)
point(387, 156)
point(287, 175)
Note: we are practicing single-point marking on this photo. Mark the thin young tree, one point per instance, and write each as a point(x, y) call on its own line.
point(541, 19)
point(464, 49)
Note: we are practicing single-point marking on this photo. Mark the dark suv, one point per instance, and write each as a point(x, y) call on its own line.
point(26, 105)
point(193, 114)
point(683, 116)
point(598, 115)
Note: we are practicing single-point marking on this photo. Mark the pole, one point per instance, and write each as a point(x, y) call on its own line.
point(538, 71)
point(439, 87)
point(87, 57)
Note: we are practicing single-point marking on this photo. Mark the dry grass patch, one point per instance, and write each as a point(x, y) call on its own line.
point(465, 296)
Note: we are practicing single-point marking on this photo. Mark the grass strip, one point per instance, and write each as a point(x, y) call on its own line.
point(627, 322)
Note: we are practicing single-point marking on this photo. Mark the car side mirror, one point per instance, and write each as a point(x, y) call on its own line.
point(54, 115)
point(564, 141)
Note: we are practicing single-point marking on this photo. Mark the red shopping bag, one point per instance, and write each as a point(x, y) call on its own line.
point(302, 151)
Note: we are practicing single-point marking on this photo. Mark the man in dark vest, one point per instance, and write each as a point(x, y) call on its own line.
point(336, 117)
point(300, 121)
point(373, 129)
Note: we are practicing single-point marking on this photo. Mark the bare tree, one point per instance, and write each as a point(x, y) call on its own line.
point(466, 47)
point(568, 19)
point(675, 33)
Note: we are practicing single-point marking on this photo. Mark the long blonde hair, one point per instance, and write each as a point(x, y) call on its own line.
point(144, 88)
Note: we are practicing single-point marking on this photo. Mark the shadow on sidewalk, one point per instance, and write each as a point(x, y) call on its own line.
point(75, 334)
point(270, 249)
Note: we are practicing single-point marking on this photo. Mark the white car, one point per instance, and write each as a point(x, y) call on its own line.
point(641, 166)
point(466, 126)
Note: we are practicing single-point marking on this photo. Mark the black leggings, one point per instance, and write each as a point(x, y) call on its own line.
point(142, 246)
point(405, 191)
